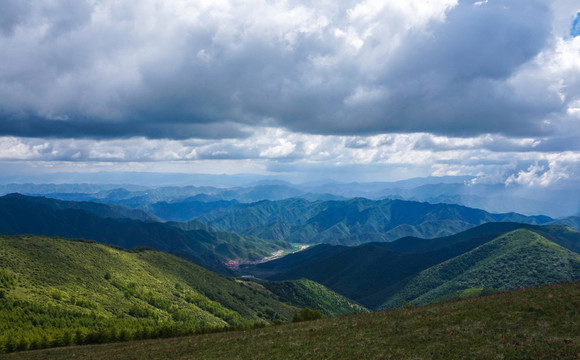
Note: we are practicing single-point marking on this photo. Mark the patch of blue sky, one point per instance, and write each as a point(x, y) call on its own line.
point(575, 30)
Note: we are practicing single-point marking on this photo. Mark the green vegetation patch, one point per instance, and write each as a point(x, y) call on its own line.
point(467, 293)
point(309, 294)
point(518, 259)
point(55, 288)
point(539, 323)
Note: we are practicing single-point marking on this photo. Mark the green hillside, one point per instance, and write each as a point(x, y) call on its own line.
point(309, 294)
point(51, 289)
point(572, 221)
point(517, 259)
point(538, 323)
point(368, 273)
point(56, 291)
point(352, 222)
point(484, 232)
point(373, 273)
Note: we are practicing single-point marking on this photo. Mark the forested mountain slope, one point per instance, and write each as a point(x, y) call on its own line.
point(353, 222)
point(375, 272)
point(518, 259)
point(56, 291)
point(38, 216)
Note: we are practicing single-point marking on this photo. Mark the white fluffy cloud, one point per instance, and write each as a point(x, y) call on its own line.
point(441, 87)
point(272, 150)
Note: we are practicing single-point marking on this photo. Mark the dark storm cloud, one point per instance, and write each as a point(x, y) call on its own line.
point(12, 12)
point(60, 16)
point(123, 69)
point(452, 80)
point(28, 126)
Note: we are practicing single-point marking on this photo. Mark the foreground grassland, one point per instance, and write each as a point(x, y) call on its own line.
point(539, 323)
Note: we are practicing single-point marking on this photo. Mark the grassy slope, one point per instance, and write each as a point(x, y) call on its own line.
point(85, 281)
point(539, 323)
point(309, 294)
point(87, 287)
point(517, 259)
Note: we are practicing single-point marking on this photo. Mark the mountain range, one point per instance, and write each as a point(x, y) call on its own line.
point(109, 271)
point(21, 214)
point(354, 221)
point(558, 202)
point(494, 256)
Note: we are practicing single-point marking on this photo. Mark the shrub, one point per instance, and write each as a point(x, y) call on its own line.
point(7, 280)
point(57, 294)
point(307, 314)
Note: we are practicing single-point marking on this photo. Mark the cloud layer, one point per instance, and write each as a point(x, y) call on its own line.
point(492, 159)
point(293, 82)
point(183, 69)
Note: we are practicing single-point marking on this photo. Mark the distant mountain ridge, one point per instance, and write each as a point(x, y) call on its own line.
point(353, 222)
point(561, 201)
point(21, 214)
point(97, 209)
point(187, 209)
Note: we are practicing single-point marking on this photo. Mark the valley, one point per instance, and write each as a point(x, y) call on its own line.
point(234, 265)
point(378, 274)
point(110, 272)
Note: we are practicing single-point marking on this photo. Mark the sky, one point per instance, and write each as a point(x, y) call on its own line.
point(350, 90)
